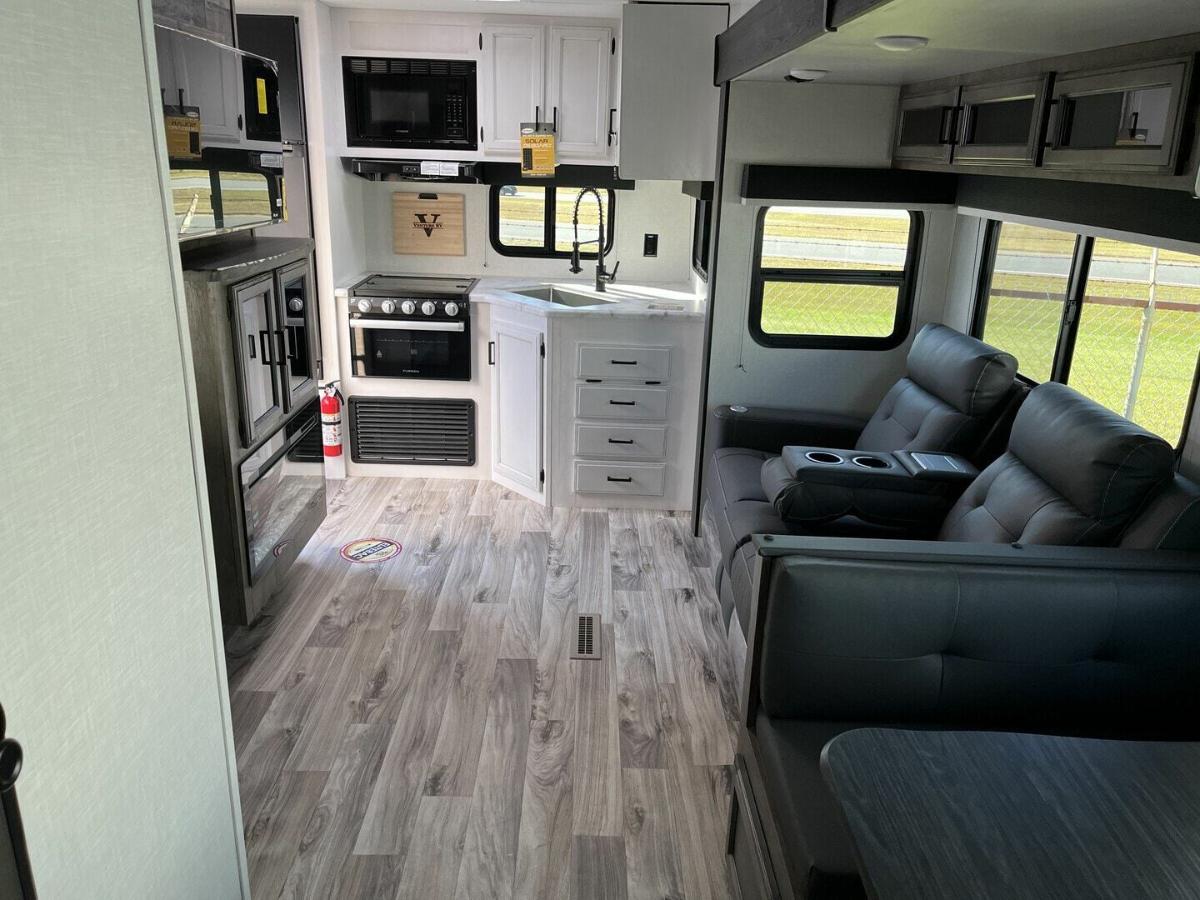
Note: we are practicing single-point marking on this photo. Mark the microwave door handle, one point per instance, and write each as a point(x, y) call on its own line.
point(407, 326)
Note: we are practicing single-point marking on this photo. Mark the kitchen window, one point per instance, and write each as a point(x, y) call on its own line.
point(834, 277)
point(528, 220)
point(1117, 321)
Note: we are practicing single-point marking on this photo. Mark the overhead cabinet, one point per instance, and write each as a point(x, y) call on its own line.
point(670, 109)
point(557, 75)
point(1125, 119)
point(925, 126)
point(1086, 119)
point(1001, 124)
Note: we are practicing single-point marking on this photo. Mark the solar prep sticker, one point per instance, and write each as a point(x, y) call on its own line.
point(370, 550)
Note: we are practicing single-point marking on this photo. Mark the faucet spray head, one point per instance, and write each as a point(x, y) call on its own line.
point(575, 267)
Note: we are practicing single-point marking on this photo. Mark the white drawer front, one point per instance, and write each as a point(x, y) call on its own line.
point(634, 363)
point(595, 401)
point(621, 441)
point(620, 478)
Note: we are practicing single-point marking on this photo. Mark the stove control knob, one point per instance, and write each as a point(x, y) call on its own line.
point(451, 308)
point(364, 306)
point(428, 307)
point(388, 306)
point(408, 307)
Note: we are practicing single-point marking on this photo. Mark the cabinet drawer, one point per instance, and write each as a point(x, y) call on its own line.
point(619, 478)
point(621, 441)
point(634, 363)
point(595, 401)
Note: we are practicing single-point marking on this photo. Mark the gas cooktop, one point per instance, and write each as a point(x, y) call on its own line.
point(420, 286)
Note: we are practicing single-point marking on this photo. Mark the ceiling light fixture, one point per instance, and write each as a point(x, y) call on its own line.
point(901, 43)
point(803, 76)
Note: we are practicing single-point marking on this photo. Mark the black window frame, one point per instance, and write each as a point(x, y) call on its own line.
point(702, 237)
point(905, 281)
point(547, 250)
point(1072, 314)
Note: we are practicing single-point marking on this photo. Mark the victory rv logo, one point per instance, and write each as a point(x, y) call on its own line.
point(428, 222)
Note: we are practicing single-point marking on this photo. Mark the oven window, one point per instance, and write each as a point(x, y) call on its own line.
point(396, 353)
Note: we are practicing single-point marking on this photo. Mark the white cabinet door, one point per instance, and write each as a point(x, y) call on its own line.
point(516, 352)
point(578, 89)
point(512, 83)
point(669, 106)
point(211, 80)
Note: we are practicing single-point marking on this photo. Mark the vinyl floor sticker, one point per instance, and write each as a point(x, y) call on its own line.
point(370, 550)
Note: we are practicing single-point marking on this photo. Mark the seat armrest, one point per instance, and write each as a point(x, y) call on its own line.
point(1071, 640)
point(771, 428)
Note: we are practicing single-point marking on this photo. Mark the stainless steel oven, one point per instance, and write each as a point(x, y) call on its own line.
point(411, 327)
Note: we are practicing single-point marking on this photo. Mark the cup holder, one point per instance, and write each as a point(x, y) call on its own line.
point(871, 462)
point(823, 456)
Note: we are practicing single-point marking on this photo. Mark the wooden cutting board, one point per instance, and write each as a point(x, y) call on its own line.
point(428, 224)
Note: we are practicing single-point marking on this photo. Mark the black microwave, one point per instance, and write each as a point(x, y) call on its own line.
point(416, 104)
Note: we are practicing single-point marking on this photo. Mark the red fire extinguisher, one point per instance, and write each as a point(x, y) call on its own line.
point(331, 420)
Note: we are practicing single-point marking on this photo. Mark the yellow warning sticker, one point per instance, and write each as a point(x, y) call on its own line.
point(537, 153)
point(260, 85)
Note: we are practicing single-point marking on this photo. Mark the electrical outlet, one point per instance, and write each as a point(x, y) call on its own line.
point(650, 245)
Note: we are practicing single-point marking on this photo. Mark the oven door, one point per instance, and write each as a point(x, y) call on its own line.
point(439, 351)
point(283, 493)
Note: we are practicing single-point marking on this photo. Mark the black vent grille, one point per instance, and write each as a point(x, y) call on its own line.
point(412, 431)
point(365, 66)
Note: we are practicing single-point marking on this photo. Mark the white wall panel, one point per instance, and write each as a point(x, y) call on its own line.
point(110, 666)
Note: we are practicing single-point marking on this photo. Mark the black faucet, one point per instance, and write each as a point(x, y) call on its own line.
point(603, 277)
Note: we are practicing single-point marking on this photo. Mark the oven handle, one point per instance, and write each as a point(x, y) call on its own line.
point(385, 325)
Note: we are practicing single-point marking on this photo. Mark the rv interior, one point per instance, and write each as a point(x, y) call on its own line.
point(617, 449)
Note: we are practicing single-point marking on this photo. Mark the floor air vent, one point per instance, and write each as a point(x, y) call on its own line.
point(587, 638)
point(412, 431)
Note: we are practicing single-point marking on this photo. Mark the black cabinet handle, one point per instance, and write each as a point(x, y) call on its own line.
point(623, 402)
point(491, 353)
point(611, 131)
point(622, 362)
point(619, 441)
point(264, 348)
point(556, 120)
point(289, 345)
point(626, 480)
point(950, 119)
point(537, 115)
point(253, 349)
point(281, 343)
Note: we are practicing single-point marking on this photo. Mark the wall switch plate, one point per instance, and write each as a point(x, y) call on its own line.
point(650, 245)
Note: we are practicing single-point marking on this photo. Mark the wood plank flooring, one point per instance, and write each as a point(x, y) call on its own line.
point(416, 728)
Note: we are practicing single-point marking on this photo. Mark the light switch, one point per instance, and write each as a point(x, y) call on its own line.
point(650, 245)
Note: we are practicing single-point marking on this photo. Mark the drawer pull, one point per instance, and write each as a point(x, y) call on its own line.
point(622, 362)
point(619, 441)
point(622, 402)
point(626, 480)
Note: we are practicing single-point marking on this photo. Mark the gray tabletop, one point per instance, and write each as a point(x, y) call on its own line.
point(956, 815)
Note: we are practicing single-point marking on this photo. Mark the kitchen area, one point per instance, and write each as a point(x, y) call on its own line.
point(364, 231)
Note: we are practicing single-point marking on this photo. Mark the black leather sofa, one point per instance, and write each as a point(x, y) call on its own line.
point(1063, 596)
point(959, 395)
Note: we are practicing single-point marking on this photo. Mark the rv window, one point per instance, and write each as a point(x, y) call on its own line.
point(531, 220)
point(1127, 335)
point(1026, 291)
point(834, 277)
point(1139, 334)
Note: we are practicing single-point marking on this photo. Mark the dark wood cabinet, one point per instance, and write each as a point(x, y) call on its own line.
point(925, 126)
point(1001, 124)
point(1126, 119)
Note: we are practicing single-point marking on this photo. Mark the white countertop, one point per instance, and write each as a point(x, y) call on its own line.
point(649, 300)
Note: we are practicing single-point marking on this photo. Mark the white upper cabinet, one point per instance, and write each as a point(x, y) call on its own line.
point(580, 65)
point(670, 108)
point(512, 84)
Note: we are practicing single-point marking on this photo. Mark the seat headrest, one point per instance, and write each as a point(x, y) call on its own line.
point(966, 373)
point(1102, 463)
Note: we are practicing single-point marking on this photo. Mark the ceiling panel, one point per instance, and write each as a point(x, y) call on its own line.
point(969, 35)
